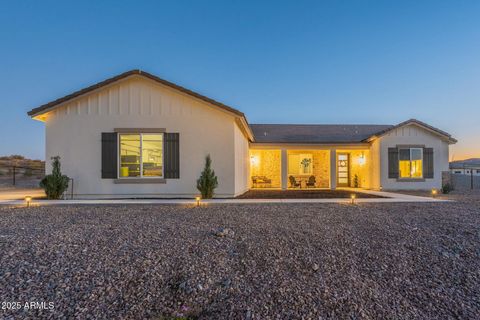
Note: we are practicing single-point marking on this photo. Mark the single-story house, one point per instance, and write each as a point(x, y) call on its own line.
point(468, 166)
point(136, 135)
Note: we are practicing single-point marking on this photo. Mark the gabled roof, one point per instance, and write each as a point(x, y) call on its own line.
point(52, 104)
point(332, 133)
point(419, 123)
point(264, 133)
point(315, 133)
point(56, 103)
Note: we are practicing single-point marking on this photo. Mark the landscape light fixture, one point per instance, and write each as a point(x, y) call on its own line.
point(352, 198)
point(434, 192)
point(28, 200)
point(197, 199)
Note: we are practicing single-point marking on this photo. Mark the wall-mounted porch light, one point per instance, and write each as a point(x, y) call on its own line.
point(254, 160)
point(361, 159)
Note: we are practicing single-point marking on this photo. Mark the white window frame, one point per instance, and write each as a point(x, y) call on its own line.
point(410, 159)
point(119, 162)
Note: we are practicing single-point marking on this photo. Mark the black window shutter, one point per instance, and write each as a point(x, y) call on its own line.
point(392, 163)
point(109, 155)
point(428, 163)
point(172, 155)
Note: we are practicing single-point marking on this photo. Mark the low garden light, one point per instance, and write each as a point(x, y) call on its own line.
point(352, 198)
point(28, 200)
point(197, 199)
point(434, 192)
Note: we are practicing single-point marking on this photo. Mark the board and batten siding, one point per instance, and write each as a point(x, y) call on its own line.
point(411, 135)
point(74, 132)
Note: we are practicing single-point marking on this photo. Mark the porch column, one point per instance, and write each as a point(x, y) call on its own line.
point(284, 169)
point(333, 169)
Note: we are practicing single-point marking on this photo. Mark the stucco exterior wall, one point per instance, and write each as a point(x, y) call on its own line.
point(242, 163)
point(73, 131)
point(373, 163)
point(266, 163)
point(413, 135)
point(360, 168)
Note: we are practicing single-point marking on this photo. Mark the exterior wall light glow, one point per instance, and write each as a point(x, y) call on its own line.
point(254, 160)
point(361, 159)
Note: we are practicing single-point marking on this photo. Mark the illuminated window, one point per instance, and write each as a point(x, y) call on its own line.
point(300, 164)
point(411, 163)
point(141, 155)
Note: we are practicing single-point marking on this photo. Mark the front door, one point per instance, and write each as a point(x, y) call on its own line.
point(343, 170)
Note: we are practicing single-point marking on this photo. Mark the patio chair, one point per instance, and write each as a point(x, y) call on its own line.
point(254, 181)
point(294, 183)
point(266, 181)
point(261, 182)
point(311, 182)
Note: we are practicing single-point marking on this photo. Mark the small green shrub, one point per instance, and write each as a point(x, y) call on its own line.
point(55, 184)
point(356, 181)
point(207, 182)
point(447, 188)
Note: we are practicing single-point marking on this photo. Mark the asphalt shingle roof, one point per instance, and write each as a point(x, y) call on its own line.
point(315, 133)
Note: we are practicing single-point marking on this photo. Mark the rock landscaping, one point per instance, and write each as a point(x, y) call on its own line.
point(255, 261)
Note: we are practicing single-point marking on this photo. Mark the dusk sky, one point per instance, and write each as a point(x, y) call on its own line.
point(365, 62)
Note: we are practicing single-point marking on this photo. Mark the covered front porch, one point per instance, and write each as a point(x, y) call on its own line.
point(304, 168)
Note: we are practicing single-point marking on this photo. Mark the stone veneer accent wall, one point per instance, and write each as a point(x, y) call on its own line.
point(361, 170)
point(321, 165)
point(269, 165)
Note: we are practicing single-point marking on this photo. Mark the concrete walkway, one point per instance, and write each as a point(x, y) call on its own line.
point(391, 197)
point(20, 193)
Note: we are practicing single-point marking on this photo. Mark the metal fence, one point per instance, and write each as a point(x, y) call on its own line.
point(21, 175)
point(464, 181)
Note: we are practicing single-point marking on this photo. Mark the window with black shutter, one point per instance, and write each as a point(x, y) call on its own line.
point(392, 163)
point(172, 155)
point(428, 163)
point(109, 155)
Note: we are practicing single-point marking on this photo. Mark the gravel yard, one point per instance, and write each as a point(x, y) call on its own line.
point(286, 261)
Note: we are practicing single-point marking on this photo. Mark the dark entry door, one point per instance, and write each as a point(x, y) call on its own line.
point(343, 170)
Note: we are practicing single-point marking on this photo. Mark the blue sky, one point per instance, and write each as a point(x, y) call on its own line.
point(376, 62)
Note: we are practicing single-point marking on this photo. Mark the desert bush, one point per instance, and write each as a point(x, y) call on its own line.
point(447, 188)
point(356, 181)
point(207, 182)
point(55, 184)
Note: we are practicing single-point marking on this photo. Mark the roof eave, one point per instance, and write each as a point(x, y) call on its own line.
point(77, 94)
point(445, 136)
